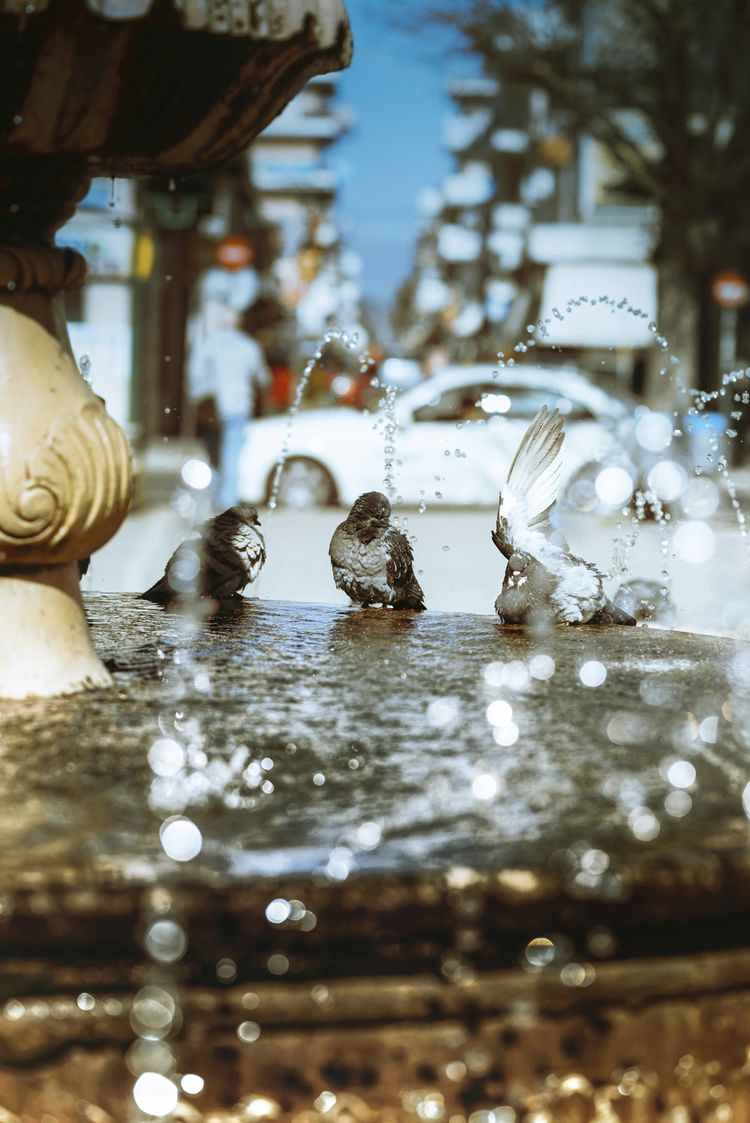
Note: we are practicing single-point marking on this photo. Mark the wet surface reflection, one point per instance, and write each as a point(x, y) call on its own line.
point(294, 738)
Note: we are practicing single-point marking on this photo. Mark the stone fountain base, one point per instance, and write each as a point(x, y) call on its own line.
point(51, 651)
point(459, 925)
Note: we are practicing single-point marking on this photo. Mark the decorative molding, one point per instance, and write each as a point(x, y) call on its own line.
point(251, 19)
point(75, 491)
point(34, 203)
point(40, 268)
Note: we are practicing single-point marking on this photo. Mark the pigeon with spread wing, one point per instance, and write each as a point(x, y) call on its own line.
point(543, 579)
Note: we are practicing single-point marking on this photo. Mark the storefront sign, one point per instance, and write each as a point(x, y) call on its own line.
point(730, 289)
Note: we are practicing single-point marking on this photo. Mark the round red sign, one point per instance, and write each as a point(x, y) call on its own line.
point(234, 252)
point(730, 289)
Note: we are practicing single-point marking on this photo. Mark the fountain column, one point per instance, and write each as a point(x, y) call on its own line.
point(65, 471)
point(105, 88)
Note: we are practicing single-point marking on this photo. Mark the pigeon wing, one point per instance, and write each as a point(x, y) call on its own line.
point(531, 489)
point(340, 553)
point(399, 571)
point(400, 559)
point(250, 546)
point(256, 554)
point(222, 563)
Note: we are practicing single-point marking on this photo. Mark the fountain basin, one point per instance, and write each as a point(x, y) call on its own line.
point(408, 970)
point(84, 86)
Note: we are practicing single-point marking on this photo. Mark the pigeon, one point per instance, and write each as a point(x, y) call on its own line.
point(543, 579)
point(372, 561)
point(223, 555)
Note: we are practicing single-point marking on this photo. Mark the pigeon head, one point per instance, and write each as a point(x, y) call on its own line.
point(518, 563)
point(245, 513)
point(373, 506)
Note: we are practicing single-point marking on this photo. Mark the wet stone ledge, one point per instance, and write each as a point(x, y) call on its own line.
point(342, 762)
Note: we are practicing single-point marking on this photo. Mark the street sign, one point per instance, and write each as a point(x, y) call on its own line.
point(234, 252)
point(730, 289)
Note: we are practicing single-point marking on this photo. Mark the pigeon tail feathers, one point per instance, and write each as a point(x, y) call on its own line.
point(411, 597)
point(160, 592)
point(611, 613)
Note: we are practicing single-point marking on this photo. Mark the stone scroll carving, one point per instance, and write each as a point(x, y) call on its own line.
point(72, 495)
point(65, 466)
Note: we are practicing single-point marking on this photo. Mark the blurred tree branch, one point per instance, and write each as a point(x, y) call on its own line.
point(679, 70)
point(683, 66)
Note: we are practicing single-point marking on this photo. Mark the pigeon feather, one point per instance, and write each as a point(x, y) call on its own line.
point(531, 489)
point(542, 574)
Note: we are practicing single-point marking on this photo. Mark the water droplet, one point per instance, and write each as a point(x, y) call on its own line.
point(226, 970)
point(181, 839)
point(165, 941)
point(248, 1031)
point(192, 1084)
point(278, 910)
point(592, 673)
point(155, 1094)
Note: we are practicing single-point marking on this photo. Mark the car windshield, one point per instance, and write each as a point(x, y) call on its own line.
point(480, 401)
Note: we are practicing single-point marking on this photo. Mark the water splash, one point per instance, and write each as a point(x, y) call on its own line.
point(333, 335)
point(696, 403)
point(176, 761)
point(390, 429)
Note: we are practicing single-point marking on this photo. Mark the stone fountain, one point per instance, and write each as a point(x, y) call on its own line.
point(399, 912)
point(120, 88)
point(292, 867)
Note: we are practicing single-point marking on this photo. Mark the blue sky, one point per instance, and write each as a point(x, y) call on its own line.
point(395, 87)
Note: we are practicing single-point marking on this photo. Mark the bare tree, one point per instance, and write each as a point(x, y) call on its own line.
point(682, 69)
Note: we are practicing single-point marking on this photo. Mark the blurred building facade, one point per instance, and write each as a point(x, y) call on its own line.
point(296, 188)
point(102, 316)
point(258, 234)
point(529, 220)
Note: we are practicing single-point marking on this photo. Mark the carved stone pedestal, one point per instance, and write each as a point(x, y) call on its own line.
point(99, 88)
point(65, 475)
point(50, 650)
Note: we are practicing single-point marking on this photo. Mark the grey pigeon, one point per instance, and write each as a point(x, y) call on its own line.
point(542, 578)
point(372, 561)
point(223, 555)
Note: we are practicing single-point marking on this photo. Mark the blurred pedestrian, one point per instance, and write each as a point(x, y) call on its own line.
point(228, 365)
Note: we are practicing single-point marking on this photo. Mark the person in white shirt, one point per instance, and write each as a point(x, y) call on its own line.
point(228, 365)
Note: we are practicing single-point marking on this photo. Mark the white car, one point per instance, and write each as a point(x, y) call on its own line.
point(454, 437)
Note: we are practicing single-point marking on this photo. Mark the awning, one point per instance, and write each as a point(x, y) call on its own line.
point(621, 319)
